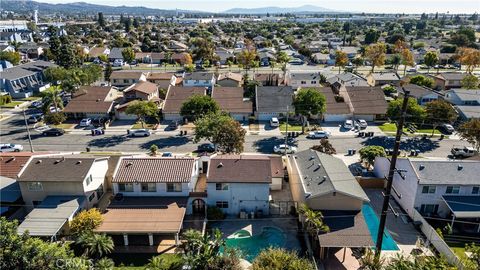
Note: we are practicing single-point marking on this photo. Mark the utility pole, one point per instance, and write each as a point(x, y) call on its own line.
point(28, 132)
point(286, 133)
point(393, 162)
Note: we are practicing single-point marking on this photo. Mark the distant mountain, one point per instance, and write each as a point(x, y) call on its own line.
point(27, 6)
point(277, 10)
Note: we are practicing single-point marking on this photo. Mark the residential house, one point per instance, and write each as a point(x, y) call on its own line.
point(465, 101)
point(273, 101)
point(447, 188)
point(366, 103)
point(322, 58)
point(163, 80)
point(176, 96)
point(122, 78)
point(9, 37)
point(31, 50)
point(230, 79)
point(25, 80)
point(177, 46)
point(350, 51)
point(448, 80)
point(6, 48)
point(197, 79)
point(346, 79)
point(182, 58)
point(231, 100)
point(93, 102)
point(224, 55)
point(336, 109)
point(145, 91)
point(96, 52)
point(239, 183)
point(296, 80)
point(115, 54)
point(383, 78)
point(318, 46)
point(269, 79)
point(422, 94)
point(78, 183)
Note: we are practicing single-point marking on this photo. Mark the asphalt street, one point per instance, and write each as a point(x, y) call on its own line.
point(13, 130)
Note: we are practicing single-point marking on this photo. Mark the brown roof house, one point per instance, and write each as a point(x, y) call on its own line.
point(59, 186)
point(366, 103)
point(230, 79)
point(92, 101)
point(230, 99)
point(155, 194)
point(120, 78)
point(240, 184)
point(145, 91)
point(176, 96)
point(383, 78)
point(449, 80)
point(337, 110)
point(163, 80)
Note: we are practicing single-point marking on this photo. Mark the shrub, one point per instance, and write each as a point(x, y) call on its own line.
point(86, 221)
point(389, 90)
point(215, 213)
point(55, 118)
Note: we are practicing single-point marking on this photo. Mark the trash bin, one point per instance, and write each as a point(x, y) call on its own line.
point(93, 132)
point(184, 132)
point(354, 151)
point(361, 134)
point(349, 152)
point(412, 153)
point(103, 131)
point(88, 149)
point(128, 131)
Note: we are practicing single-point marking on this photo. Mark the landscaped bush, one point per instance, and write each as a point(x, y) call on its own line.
point(215, 213)
point(5, 99)
point(55, 118)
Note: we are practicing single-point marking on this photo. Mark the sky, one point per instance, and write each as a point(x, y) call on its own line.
point(374, 6)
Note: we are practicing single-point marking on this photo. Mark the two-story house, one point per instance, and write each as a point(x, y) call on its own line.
point(465, 101)
point(123, 79)
point(199, 79)
point(296, 80)
point(449, 80)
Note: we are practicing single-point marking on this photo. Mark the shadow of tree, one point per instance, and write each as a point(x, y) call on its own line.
point(167, 142)
point(108, 141)
point(266, 145)
point(422, 145)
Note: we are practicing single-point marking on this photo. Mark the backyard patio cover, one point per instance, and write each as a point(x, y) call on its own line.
point(48, 217)
point(144, 215)
point(347, 229)
point(463, 206)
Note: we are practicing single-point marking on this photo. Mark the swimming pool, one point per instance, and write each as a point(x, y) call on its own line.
point(251, 246)
point(373, 222)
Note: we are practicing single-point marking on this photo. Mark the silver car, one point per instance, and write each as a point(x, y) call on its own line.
point(10, 147)
point(139, 133)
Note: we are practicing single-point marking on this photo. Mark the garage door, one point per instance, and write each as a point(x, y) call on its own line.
point(335, 117)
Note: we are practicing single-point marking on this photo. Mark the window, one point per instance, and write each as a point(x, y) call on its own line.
point(222, 204)
point(428, 189)
point(125, 187)
point(89, 179)
point(475, 190)
point(303, 82)
point(91, 197)
point(149, 187)
point(221, 186)
point(174, 187)
point(35, 186)
point(429, 208)
point(453, 189)
point(313, 82)
point(114, 80)
point(126, 81)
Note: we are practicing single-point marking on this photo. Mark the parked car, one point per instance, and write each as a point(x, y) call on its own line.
point(318, 135)
point(282, 148)
point(53, 132)
point(463, 152)
point(85, 122)
point(361, 123)
point(139, 133)
point(172, 126)
point(98, 131)
point(447, 128)
point(118, 63)
point(206, 147)
point(10, 147)
point(274, 122)
point(36, 104)
point(52, 109)
point(348, 124)
point(134, 63)
point(167, 154)
point(35, 118)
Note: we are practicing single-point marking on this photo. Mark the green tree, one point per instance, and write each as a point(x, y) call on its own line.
point(407, 59)
point(86, 221)
point(369, 153)
point(430, 59)
point(51, 98)
point(341, 60)
point(197, 106)
point(55, 118)
point(53, 42)
point(108, 72)
point(376, 54)
point(280, 259)
point(309, 102)
point(142, 109)
point(439, 112)
point(470, 131)
point(415, 112)
point(422, 81)
point(164, 263)
point(389, 90)
point(222, 130)
point(104, 264)
point(312, 222)
point(67, 56)
point(128, 55)
point(371, 36)
point(101, 20)
point(473, 262)
point(189, 68)
point(95, 245)
point(470, 82)
point(55, 74)
point(12, 57)
point(246, 57)
point(370, 261)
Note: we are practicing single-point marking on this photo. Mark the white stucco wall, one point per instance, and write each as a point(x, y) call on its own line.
point(241, 196)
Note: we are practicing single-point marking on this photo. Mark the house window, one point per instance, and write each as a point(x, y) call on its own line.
point(476, 190)
point(428, 189)
point(303, 82)
point(222, 204)
point(149, 187)
point(34, 186)
point(91, 197)
point(453, 189)
point(221, 186)
point(125, 187)
point(89, 179)
point(174, 187)
point(429, 208)
point(114, 80)
point(125, 81)
point(313, 82)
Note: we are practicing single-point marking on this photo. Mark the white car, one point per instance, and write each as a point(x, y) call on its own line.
point(117, 63)
point(348, 124)
point(280, 149)
point(139, 133)
point(274, 122)
point(361, 123)
point(10, 147)
point(85, 122)
point(318, 135)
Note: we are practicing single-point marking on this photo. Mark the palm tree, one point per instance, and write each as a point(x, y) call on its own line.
point(370, 261)
point(96, 245)
point(313, 222)
point(201, 251)
point(51, 97)
point(160, 263)
point(104, 264)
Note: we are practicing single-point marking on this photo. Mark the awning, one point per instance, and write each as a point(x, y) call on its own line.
point(463, 206)
point(347, 229)
point(144, 215)
point(50, 216)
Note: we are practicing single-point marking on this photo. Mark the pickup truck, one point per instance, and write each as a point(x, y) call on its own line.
point(463, 151)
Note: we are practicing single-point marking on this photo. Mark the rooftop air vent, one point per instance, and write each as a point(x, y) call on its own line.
point(129, 164)
point(39, 161)
point(220, 165)
point(421, 167)
point(460, 167)
point(79, 162)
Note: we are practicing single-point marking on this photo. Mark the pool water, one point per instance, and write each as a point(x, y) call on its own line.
point(373, 222)
point(251, 246)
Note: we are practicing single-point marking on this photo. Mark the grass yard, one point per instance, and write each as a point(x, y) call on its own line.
point(138, 125)
point(460, 252)
point(64, 126)
point(392, 128)
point(31, 98)
point(12, 104)
point(283, 127)
point(138, 261)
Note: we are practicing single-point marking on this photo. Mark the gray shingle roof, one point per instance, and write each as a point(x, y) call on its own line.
point(68, 169)
point(314, 76)
point(443, 172)
point(274, 98)
point(467, 94)
point(25, 70)
point(323, 174)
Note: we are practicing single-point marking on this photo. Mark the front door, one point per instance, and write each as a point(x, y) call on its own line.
point(198, 207)
point(204, 166)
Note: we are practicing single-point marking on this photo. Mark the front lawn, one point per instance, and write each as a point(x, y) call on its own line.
point(283, 127)
point(138, 125)
point(138, 260)
point(31, 98)
point(63, 126)
point(12, 104)
point(460, 252)
point(392, 128)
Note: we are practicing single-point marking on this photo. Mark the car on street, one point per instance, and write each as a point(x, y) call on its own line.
point(172, 126)
point(282, 148)
point(35, 118)
point(53, 132)
point(361, 123)
point(318, 134)
point(348, 124)
point(463, 151)
point(36, 104)
point(447, 128)
point(98, 131)
point(139, 132)
point(206, 147)
point(167, 154)
point(85, 122)
point(10, 147)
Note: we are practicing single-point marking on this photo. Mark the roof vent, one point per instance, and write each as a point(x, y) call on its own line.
point(460, 167)
point(57, 161)
point(10, 159)
point(129, 164)
point(79, 162)
point(39, 161)
point(312, 157)
point(220, 165)
point(421, 167)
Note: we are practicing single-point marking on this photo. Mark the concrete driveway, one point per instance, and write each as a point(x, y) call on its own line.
point(336, 129)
